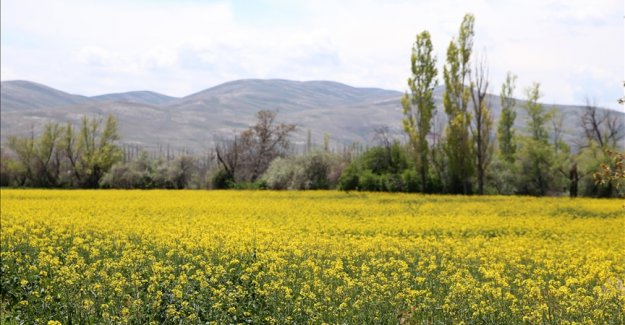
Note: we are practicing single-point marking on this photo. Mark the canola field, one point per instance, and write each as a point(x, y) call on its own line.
point(262, 257)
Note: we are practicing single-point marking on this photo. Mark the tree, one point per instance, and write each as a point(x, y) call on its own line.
point(48, 156)
point(24, 149)
point(419, 107)
point(456, 74)
point(537, 155)
point(604, 132)
point(60, 156)
point(40, 158)
point(381, 168)
point(181, 171)
point(563, 162)
point(483, 121)
point(247, 157)
point(601, 126)
point(505, 129)
point(93, 151)
point(7, 168)
point(614, 174)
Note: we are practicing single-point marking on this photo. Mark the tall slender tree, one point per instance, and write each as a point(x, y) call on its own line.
point(456, 74)
point(418, 106)
point(482, 120)
point(537, 157)
point(505, 129)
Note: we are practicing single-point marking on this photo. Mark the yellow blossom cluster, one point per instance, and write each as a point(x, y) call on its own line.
point(263, 257)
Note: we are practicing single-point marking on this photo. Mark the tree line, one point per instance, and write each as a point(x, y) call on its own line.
point(471, 154)
point(473, 157)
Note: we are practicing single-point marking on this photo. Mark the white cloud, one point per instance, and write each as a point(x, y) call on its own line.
point(179, 47)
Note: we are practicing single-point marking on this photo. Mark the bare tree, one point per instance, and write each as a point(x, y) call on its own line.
point(248, 156)
point(227, 153)
point(382, 135)
point(271, 140)
point(601, 126)
point(483, 120)
point(181, 170)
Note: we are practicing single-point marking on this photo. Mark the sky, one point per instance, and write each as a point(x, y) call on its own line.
point(573, 48)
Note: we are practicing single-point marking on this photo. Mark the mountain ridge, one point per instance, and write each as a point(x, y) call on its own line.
point(150, 119)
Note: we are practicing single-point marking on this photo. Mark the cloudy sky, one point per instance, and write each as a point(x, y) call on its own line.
point(574, 48)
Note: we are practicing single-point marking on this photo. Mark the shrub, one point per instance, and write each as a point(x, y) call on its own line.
point(312, 171)
point(222, 180)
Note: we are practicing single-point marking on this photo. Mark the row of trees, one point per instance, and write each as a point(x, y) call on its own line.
point(62, 156)
point(471, 155)
point(261, 157)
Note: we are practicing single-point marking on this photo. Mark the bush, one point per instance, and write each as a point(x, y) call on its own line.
point(312, 171)
point(349, 179)
point(411, 181)
point(381, 169)
point(368, 181)
point(222, 180)
point(279, 174)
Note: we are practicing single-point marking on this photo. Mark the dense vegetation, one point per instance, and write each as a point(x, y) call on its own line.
point(90, 158)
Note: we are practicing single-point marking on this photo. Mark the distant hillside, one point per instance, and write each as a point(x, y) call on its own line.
point(137, 97)
point(348, 114)
point(25, 95)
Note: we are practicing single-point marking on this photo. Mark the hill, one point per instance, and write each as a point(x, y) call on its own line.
point(137, 97)
point(348, 114)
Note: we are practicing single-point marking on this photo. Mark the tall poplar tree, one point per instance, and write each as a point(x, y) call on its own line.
point(419, 105)
point(505, 129)
point(456, 73)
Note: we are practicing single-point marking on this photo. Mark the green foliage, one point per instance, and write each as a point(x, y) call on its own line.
point(144, 172)
point(502, 178)
point(418, 106)
point(589, 161)
point(311, 171)
point(411, 181)
point(381, 169)
point(505, 130)
point(455, 101)
point(93, 151)
point(538, 159)
point(222, 179)
point(39, 159)
point(61, 157)
point(537, 117)
point(537, 175)
point(368, 181)
point(350, 178)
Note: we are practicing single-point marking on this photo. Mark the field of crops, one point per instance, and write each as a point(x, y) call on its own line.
point(308, 257)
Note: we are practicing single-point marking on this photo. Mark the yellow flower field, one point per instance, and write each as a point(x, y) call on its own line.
point(309, 257)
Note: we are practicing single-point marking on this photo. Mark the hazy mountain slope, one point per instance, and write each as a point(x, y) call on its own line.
point(21, 94)
point(252, 95)
point(137, 97)
point(347, 114)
